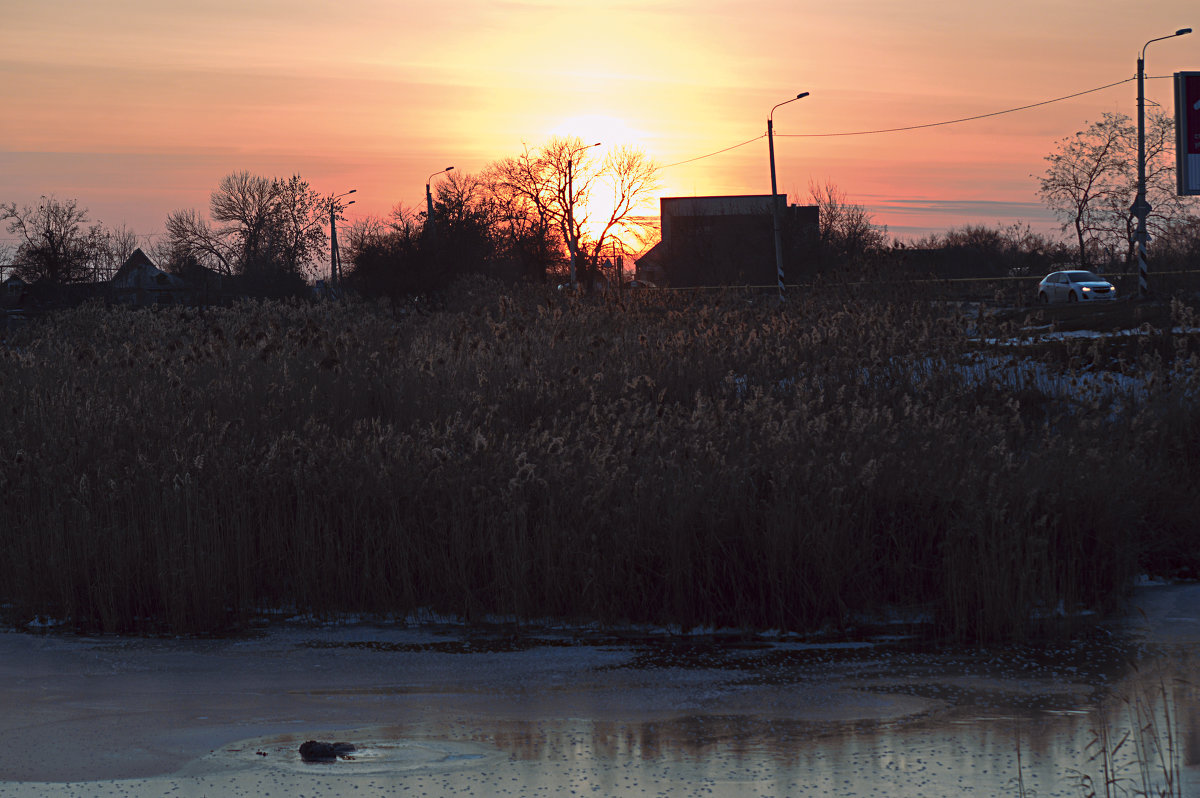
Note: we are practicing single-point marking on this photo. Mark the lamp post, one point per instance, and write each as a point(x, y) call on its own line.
point(1141, 208)
point(774, 192)
point(429, 201)
point(572, 240)
point(335, 260)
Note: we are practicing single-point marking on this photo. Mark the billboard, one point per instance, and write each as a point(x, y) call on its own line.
point(1187, 132)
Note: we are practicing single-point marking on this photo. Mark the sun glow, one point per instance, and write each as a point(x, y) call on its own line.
point(610, 131)
point(138, 108)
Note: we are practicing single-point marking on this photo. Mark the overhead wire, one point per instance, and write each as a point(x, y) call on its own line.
point(718, 152)
point(908, 127)
point(868, 132)
point(957, 121)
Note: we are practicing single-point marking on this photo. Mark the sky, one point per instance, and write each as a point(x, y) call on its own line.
point(136, 108)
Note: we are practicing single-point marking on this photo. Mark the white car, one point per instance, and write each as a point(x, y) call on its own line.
point(1075, 286)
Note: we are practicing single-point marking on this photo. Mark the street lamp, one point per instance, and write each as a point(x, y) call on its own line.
point(429, 200)
point(1141, 208)
point(335, 260)
point(774, 192)
point(572, 240)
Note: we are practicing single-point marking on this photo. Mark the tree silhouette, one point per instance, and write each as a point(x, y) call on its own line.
point(847, 231)
point(1091, 182)
point(560, 187)
point(270, 231)
point(55, 242)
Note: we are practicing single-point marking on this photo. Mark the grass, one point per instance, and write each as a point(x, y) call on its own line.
point(698, 460)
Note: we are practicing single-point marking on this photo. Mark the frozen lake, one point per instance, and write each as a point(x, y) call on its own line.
point(435, 711)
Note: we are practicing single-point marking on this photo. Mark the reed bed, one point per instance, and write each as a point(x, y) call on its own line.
point(1138, 746)
point(703, 460)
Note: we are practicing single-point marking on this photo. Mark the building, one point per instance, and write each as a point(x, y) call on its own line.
point(140, 282)
point(728, 241)
point(12, 291)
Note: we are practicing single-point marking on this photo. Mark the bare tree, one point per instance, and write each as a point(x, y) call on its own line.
point(460, 196)
point(299, 218)
point(245, 204)
point(192, 240)
point(116, 245)
point(467, 226)
point(847, 230)
point(1179, 243)
point(7, 253)
point(562, 187)
point(1116, 223)
point(55, 241)
point(524, 224)
point(528, 203)
point(403, 220)
point(385, 255)
point(361, 231)
point(1091, 182)
point(630, 178)
point(1086, 171)
point(261, 227)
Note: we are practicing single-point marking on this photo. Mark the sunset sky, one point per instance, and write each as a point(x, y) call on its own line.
point(137, 108)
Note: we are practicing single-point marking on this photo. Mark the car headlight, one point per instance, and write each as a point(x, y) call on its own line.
point(1086, 290)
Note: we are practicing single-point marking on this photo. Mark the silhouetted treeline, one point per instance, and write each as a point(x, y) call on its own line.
point(469, 232)
point(56, 243)
point(527, 218)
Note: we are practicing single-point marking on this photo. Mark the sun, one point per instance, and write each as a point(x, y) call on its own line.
point(610, 131)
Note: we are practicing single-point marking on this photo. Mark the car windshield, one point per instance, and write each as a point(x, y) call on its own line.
point(1083, 277)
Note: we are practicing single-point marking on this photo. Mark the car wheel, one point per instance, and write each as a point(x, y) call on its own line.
point(1043, 299)
point(1072, 298)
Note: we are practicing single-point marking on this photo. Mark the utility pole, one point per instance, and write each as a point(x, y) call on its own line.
point(335, 258)
point(775, 193)
point(333, 248)
point(429, 203)
point(1141, 208)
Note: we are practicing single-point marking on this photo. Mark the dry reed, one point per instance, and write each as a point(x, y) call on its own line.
point(714, 460)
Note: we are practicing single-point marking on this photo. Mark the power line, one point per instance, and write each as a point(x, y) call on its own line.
point(957, 121)
point(909, 127)
point(718, 152)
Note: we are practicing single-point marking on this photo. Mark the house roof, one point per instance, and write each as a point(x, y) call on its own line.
point(653, 256)
point(138, 271)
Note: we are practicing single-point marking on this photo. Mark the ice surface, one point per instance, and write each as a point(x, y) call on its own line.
point(445, 711)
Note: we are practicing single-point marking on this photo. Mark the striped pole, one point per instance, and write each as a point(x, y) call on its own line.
point(1143, 279)
point(1141, 208)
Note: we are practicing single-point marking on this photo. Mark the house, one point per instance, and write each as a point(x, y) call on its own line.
point(12, 291)
point(728, 240)
point(140, 282)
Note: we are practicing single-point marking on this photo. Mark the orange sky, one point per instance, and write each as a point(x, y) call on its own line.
point(137, 108)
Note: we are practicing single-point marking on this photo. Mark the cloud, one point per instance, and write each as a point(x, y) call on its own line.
point(913, 218)
point(975, 208)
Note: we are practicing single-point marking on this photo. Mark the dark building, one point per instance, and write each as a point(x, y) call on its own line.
point(729, 241)
point(12, 290)
point(140, 282)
